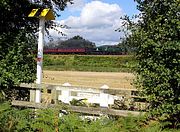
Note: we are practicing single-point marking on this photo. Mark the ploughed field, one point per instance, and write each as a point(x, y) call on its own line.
point(115, 80)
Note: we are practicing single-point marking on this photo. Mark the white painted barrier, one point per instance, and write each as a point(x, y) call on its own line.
point(92, 96)
point(65, 96)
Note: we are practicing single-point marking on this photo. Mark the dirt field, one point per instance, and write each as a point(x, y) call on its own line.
point(90, 79)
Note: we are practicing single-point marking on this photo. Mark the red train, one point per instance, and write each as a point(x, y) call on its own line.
point(65, 51)
point(103, 50)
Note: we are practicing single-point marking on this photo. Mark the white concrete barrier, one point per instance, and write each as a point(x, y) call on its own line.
point(65, 96)
point(92, 96)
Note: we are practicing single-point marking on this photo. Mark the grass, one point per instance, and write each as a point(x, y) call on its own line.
point(89, 63)
point(84, 68)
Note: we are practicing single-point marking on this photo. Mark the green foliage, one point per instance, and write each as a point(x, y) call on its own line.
point(14, 119)
point(80, 102)
point(17, 41)
point(17, 64)
point(72, 123)
point(13, 15)
point(45, 120)
point(16, 37)
point(156, 39)
point(89, 63)
point(48, 120)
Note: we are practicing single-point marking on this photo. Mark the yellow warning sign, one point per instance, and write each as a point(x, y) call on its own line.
point(33, 12)
point(47, 13)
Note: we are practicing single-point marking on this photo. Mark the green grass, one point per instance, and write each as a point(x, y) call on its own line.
point(89, 63)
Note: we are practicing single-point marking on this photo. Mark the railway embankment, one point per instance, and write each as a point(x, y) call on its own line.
point(97, 63)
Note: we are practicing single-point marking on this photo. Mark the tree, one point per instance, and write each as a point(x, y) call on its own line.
point(125, 47)
point(74, 42)
point(156, 39)
point(77, 37)
point(18, 40)
point(77, 42)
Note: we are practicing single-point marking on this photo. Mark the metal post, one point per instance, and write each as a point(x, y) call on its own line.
point(40, 58)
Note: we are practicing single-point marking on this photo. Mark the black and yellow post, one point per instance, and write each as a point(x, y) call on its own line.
point(46, 13)
point(43, 15)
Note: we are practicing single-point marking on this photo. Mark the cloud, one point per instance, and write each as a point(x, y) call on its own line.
point(76, 6)
point(97, 14)
point(97, 22)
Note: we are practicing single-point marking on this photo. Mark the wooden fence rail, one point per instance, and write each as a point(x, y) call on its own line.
point(79, 109)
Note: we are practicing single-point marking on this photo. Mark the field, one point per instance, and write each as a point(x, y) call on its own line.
point(115, 80)
point(93, 63)
point(89, 70)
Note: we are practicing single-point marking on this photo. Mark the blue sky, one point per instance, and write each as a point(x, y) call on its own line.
point(128, 6)
point(95, 20)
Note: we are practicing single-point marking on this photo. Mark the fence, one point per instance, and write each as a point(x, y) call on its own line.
point(103, 97)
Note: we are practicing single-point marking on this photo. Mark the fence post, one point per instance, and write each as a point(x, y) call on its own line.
point(32, 95)
point(65, 93)
point(104, 97)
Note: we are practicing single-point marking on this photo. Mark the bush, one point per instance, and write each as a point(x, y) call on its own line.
point(156, 40)
point(48, 120)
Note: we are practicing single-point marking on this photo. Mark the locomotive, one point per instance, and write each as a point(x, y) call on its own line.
point(102, 50)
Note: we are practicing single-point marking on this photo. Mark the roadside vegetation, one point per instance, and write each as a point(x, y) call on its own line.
point(97, 63)
point(13, 119)
point(155, 37)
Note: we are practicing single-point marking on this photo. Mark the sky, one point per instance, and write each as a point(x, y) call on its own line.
point(95, 20)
